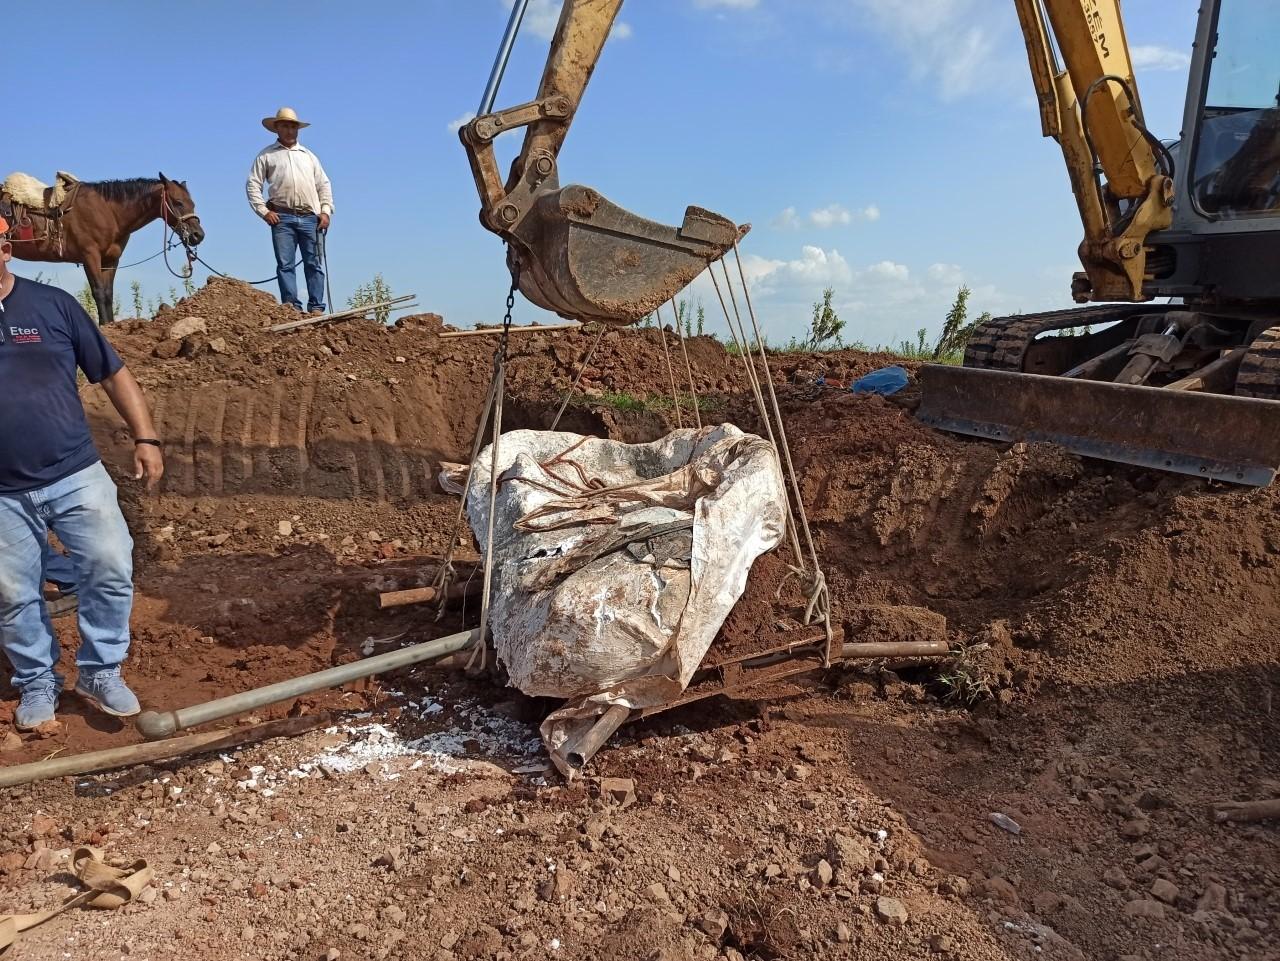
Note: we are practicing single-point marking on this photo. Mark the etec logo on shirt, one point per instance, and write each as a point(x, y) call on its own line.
point(25, 335)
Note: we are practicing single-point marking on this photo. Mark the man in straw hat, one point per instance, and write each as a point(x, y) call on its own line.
point(51, 478)
point(298, 206)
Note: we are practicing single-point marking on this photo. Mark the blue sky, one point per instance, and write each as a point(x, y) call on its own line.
point(889, 150)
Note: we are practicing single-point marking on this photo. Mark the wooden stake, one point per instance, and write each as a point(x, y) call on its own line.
point(94, 761)
point(495, 331)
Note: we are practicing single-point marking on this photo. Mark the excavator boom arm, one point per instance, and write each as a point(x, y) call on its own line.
point(1090, 105)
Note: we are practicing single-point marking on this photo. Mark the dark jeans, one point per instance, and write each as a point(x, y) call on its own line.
point(59, 570)
point(298, 232)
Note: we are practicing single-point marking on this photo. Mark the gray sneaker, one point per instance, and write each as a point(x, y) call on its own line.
point(38, 706)
point(107, 691)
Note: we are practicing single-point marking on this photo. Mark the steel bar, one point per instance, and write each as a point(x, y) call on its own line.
point(495, 331)
point(503, 58)
point(581, 754)
point(396, 303)
point(899, 649)
point(116, 757)
point(154, 725)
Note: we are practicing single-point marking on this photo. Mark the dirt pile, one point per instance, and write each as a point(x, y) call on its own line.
point(1122, 631)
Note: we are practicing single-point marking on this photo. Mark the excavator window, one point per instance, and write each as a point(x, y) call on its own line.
point(1237, 167)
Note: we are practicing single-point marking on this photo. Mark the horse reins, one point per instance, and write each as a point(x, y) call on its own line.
point(166, 211)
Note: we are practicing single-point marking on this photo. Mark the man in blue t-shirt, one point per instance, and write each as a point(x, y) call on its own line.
point(51, 477)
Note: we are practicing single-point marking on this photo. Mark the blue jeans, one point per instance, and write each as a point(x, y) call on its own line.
point(294, 232)
point(82, 510)
point(59, 570)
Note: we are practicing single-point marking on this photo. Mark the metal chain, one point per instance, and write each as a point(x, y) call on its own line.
point(479, 658)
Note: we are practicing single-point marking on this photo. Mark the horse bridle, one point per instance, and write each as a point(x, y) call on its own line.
point(181, 231)
point(167, 210)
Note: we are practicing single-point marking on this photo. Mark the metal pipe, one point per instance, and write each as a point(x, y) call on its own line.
point(115, 757)
point(594, 739)
point(504, 56)
point(154, 725)
point(903, 649)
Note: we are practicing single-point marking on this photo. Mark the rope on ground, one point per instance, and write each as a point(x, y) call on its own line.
point(688, 369)
point(251, 283)
point(671, 376)
point(577, 378)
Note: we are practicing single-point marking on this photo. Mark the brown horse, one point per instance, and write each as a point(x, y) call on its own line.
point(97, 222)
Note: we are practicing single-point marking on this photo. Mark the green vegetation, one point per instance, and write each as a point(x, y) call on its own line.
point(964, 680)
point(375, 291)
point(136, 289)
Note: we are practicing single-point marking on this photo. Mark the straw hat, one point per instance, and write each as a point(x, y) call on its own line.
point(284, 113)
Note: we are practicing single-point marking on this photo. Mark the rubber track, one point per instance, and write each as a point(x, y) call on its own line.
point(1001, 343)
point(1260, 371)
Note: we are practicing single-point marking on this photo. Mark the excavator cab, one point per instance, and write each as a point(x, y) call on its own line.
point(569, 249)
point(1192, 384)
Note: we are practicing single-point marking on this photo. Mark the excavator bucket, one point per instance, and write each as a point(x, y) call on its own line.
point(588, 259)
point(1233, 439)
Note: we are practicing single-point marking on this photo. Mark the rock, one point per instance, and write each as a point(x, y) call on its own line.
point(167, 349)
point(713, 924)
point(955, 886)
point(333, 954)
point(1213, 899)
point(50, 729)
point(1005, 823)
point(285, 528)
point(1144, 909)
point(218, 345)
point(843, 934)
point(891, 911)
point(999, 889)
point(186, 327)
point(658, 892)
point(849, 856)
point(448, 941)
point(148, 895)
point(559, 886)
point(673, 874)
point(247, 933)
point(920, 867)
point(799, 772)
point(42, 825)
point(11, 862)
point(1165, 891)
point(941, 944)
point(394, 914)
point(1135, 828)
point(10, 742)
point(619, 790)
point(1115, 878)
point(822, 874)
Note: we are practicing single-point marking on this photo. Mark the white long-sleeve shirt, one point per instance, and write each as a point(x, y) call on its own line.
point(293, 177)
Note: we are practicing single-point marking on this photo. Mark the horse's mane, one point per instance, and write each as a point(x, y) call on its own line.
point(122, 190)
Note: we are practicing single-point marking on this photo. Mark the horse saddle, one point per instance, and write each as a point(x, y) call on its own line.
point(25, 194)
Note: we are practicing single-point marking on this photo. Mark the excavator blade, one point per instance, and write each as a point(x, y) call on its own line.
point(588, 259)
point(1234, 439)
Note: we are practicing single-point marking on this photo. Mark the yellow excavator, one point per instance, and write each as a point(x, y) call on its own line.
point(1190, 385)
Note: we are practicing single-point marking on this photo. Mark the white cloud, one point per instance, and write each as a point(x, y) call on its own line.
point(456, 125)
point(1153, 57)
point(787, 220)
point(952, 275)
point(957, 43)
point(543, 16)
point(832, 215)
point(888, 270)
